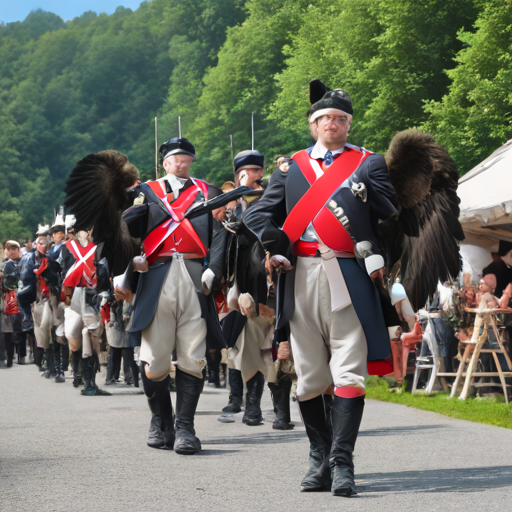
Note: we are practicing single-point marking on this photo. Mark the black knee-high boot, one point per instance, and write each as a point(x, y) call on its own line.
point(116, 363)
point(318, 476)
point(9, 347)
point(252, 414)
point(109, 379)
point(38, 357)
point(90, 366)
point(21, 347)
point(236, 395)
point(346, 419)
point(281, 399)
point(135, 373)
point(127, 354)
point(57, 355)
point(161, 429)
point(64, 353)
point(32, 346)
point(50, 362)
point(328, 411)
point(76, 358)
point(188, 390)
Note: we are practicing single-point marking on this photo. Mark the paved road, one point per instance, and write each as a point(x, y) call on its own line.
point(63, 452)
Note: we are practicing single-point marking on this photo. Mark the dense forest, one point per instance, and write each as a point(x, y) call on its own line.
point(98, 81)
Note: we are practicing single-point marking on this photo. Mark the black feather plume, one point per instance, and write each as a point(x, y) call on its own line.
point(426, 236)
point(96, 193)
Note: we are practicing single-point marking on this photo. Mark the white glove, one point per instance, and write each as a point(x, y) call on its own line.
point(207, 281)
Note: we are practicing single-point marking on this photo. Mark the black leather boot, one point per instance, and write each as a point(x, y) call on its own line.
point(135, 373)
point(50, 362)
point(127, 354)
point(64, 354)
point(59, 377)
point(318, 476)
point(38, 357)
point(346, 419)
point(236, 395)
point(109, 379)
point(57, 358)
point(188, 390)
point(328, 411)
point(252, 415)
point(76, 358)
point(89, 368)
point(281, 399)
point(161, 429)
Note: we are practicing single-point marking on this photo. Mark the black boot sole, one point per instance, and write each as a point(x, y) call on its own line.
point(96, 392)
point(283, 426)
point(232, 410)
point(156, 446)
point(186, 451)
point(253, 423)
point(323, 488)
point(345, 492)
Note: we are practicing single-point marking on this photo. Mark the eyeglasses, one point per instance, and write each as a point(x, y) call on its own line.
point(335, 119)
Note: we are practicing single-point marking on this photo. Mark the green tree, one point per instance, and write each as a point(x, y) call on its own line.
point(475, 116)
point(12, 228)
point(390, 55)
point(241, 83)
point(193, 49)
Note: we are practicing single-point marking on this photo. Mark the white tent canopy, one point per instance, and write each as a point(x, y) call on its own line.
point(486, 199)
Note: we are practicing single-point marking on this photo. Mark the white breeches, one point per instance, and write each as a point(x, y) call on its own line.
point(43, 322)
point(73, 326)
point(254, 344)
point(92, 323)
point(177, 324)
point(328, 347)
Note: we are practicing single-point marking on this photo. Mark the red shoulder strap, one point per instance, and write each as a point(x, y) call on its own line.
point(321, 189)
point(158, 187)
point(203, 186)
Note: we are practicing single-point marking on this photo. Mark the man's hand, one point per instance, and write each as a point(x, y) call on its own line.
point(243, 177)
point(283, 352)
point(123, 294)
point(277, 263)
point(409, 339)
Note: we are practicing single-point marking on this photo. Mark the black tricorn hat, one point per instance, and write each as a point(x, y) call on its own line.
point(177, 146)
point(246, 158)
point(336, 99)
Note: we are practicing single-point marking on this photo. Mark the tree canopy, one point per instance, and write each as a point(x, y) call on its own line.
point(98, 81)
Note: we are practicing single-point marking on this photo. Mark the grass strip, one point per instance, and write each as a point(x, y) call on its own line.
point(491, 411)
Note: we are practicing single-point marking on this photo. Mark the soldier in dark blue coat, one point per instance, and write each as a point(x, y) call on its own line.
point(328, 206)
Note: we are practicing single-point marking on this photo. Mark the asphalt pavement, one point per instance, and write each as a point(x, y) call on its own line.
point(60, 451)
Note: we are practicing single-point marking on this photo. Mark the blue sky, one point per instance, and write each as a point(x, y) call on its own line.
point(17, 10)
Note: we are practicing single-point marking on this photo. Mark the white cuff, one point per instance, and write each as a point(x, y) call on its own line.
point(373, 262)
point(397, 293)
point(207, 279)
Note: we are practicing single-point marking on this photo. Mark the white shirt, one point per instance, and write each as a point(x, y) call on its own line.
point(175, 182)
point(319, 151)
